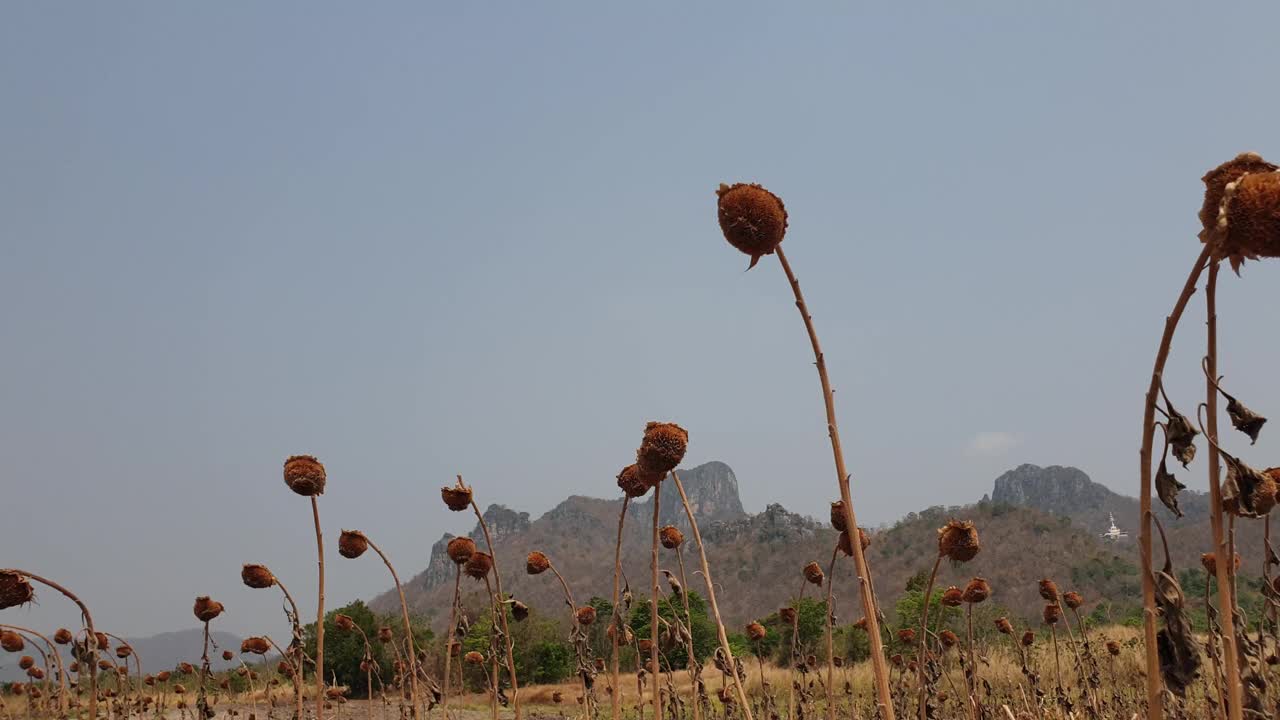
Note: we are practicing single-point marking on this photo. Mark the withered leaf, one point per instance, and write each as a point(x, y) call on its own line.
point(1178, 649)
point(1181, 436)
point(1252, 679)
point(519, 611)
point(1167, 488)
point(1245, 491)
point(1243, 419)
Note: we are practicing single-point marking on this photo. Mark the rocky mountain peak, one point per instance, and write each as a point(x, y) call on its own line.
point(1054, 489)
point(713, 496)
point(1069, 492)
point(503, 522)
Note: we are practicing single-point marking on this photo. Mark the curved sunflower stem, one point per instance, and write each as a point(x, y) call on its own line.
point(90, 640)
point(408, 631)
point(506, 633)
point(575, 633)
point(295, 647)
point(137, 661)
point(711, 598)
point(883, 693)
point(1155, 707)
point(57, 658)
point(44, 660)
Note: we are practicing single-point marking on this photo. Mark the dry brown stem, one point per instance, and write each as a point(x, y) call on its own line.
point(711, 599)
point(879, 666)
point(1224, 555)
point(1155, 708)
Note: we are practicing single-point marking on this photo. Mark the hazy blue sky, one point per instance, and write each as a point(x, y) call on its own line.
point(417, 240)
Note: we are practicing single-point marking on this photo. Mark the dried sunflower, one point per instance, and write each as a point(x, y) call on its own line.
point(460, 549)
point(205, 610)
point(662, 448)
point(958, 541)
point(305, 475)
point(257, 576)
point(752, 219)
point(537, 563)
point(352, 544)
point(478, 565)
point(15, 589)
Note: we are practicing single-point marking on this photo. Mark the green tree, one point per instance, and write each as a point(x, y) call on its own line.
point(540, 649)
point(907, 613)
point(550, 662)
point(598, 635)
point(811, 619)
point(344, 649)
point(703, 629)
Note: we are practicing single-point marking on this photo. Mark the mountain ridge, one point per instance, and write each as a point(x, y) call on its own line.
point(1036, 522)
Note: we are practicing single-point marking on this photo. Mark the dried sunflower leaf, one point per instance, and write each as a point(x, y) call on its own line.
point(1243, 419)
point(1181, 436)
point(1167, 488)
point(1245, 491)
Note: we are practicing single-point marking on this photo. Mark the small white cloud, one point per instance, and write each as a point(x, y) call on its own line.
point(991, 444)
